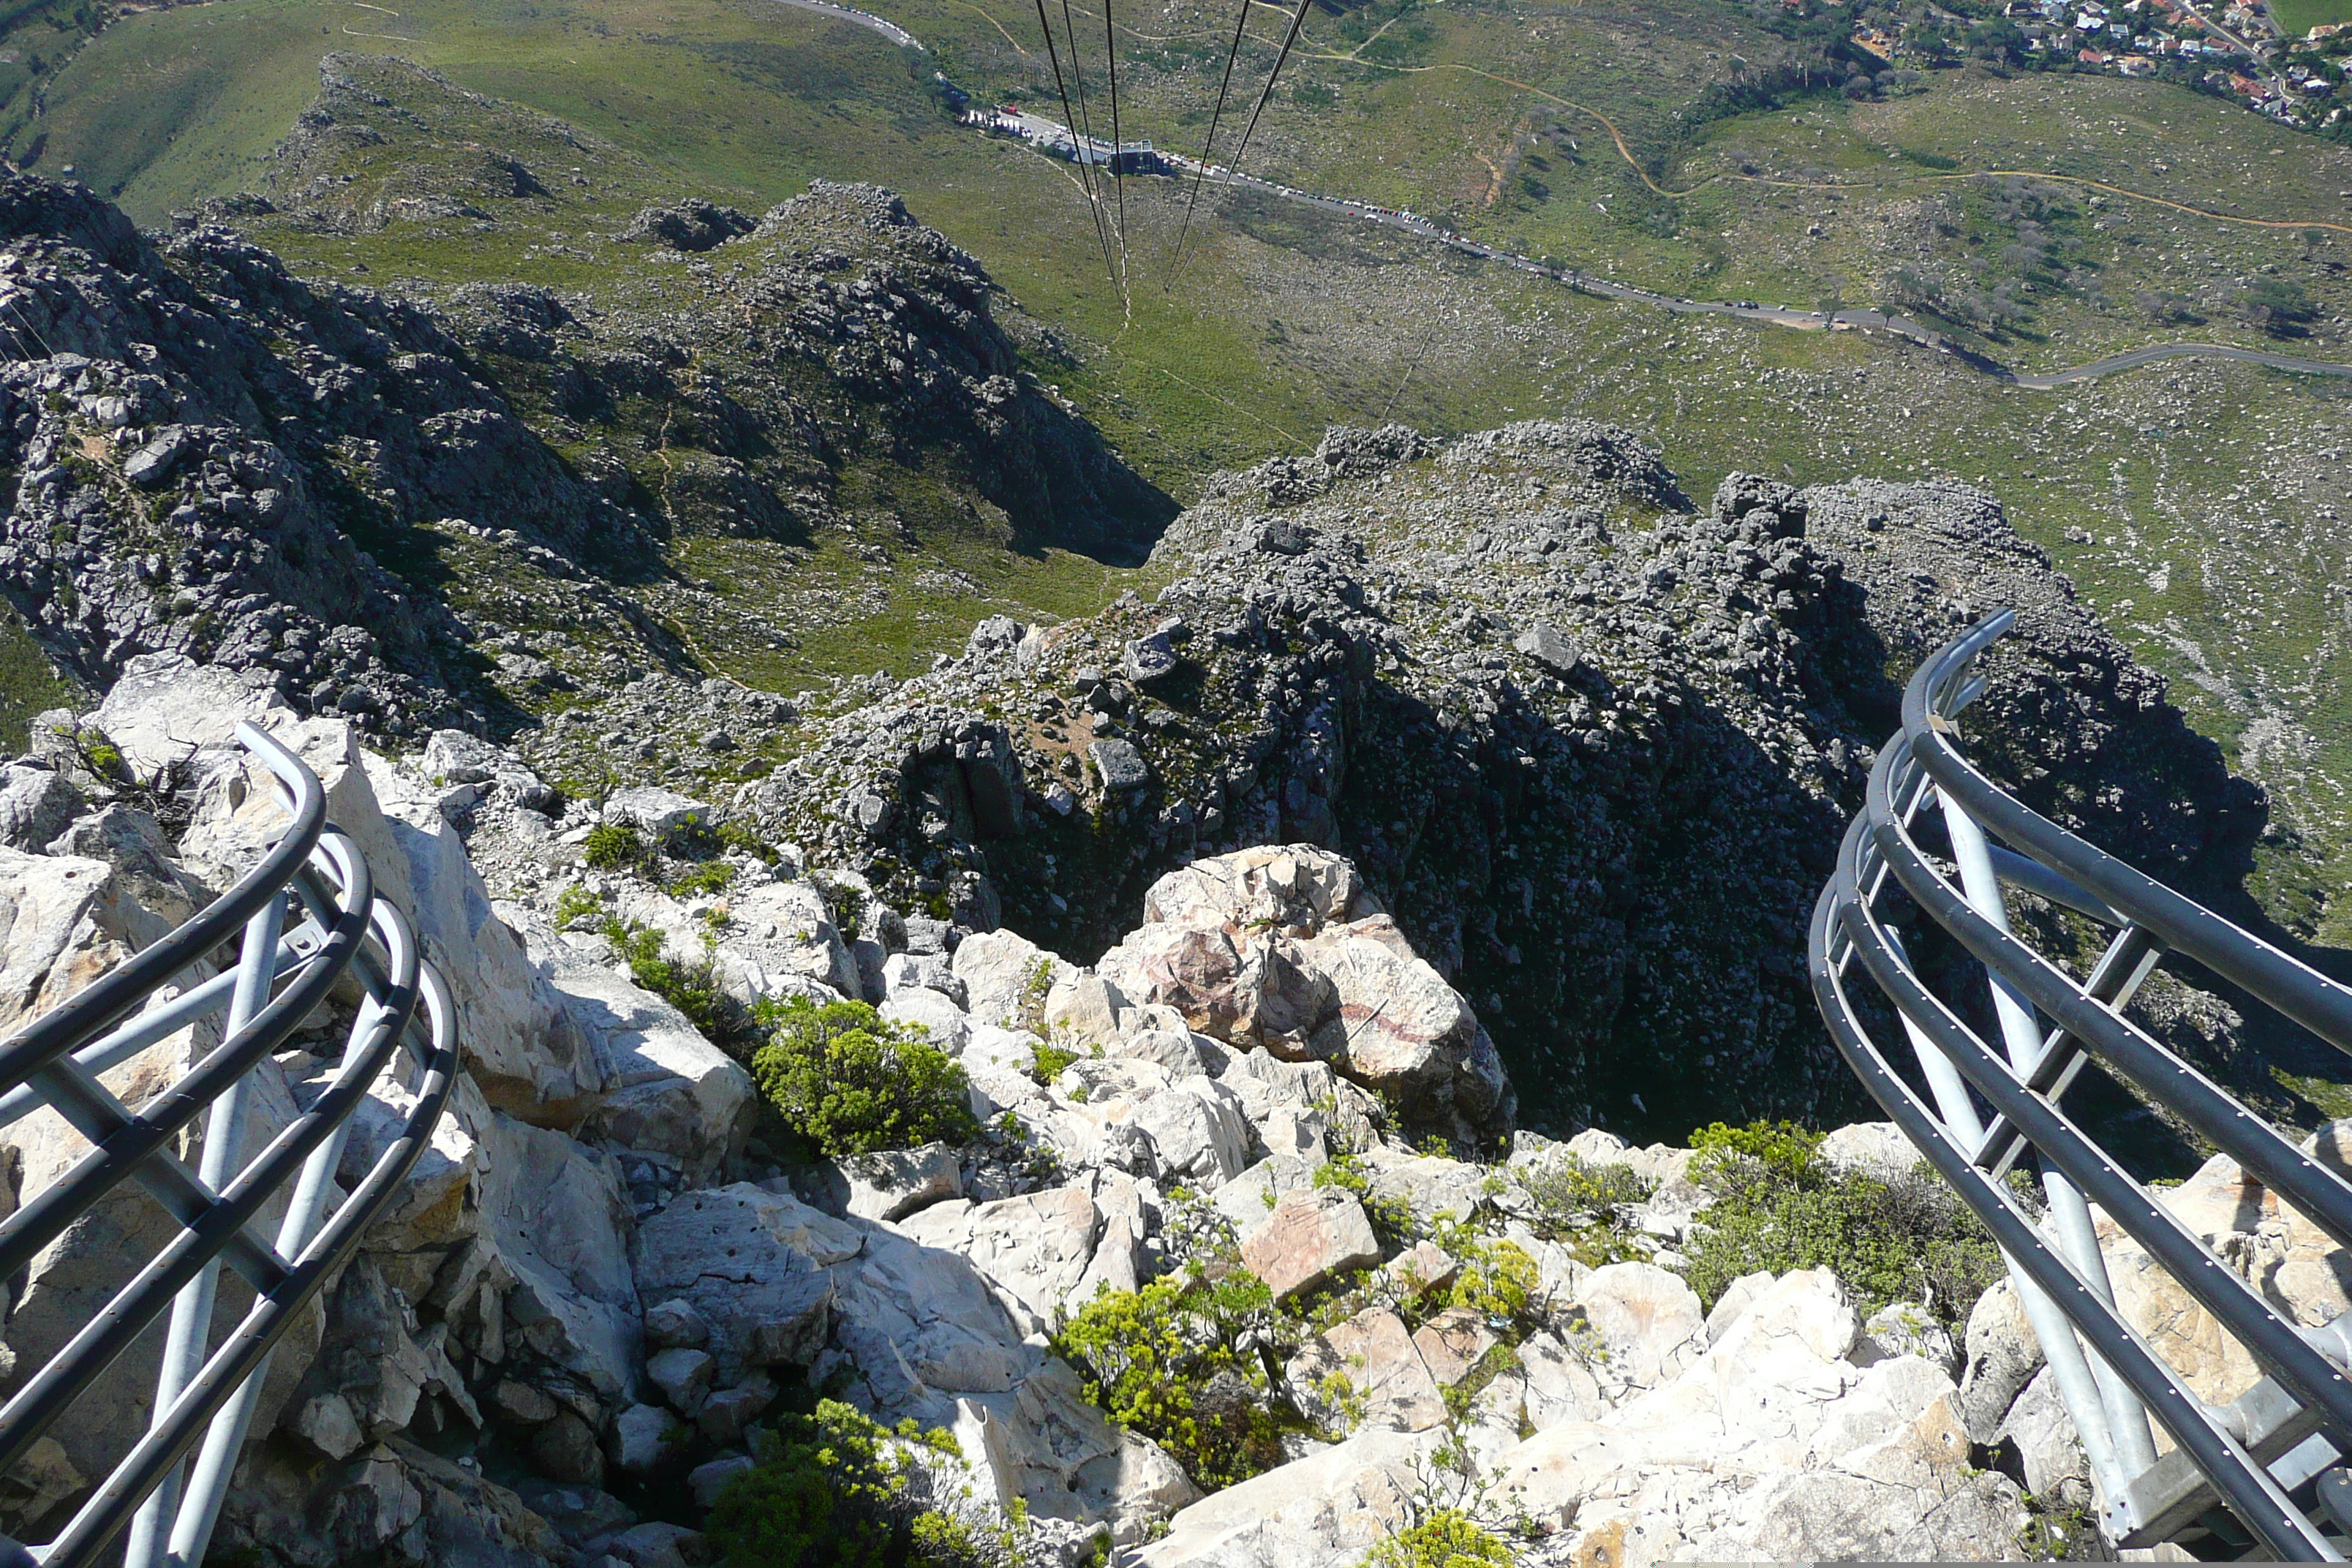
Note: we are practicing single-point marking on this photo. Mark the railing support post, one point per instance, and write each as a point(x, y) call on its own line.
point(2134, 1443)
point(190, 1334)
point(2069, 1367)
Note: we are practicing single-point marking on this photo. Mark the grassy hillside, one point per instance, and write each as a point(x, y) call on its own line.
point(2297, 16)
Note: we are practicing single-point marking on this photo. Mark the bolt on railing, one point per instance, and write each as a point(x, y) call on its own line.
point(2264, 1469)
point(206, 1396)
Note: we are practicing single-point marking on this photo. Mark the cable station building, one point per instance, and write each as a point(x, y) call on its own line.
point(1053, 138)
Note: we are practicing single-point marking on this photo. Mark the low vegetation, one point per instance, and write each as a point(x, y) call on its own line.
point(1778, 1206)
point(837, 1489)
point(1448, 1538)
point(1168, 1361)
point(28, 683)
point(1047, 1062)
point(1588, 1208)
point(1392, 1219)
point(848, 1081)
point(611, 845)
point(1197, 1359)
point(690, 985)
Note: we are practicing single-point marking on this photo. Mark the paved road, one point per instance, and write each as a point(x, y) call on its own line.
point(2108, 366)
point(1037, 128)
point(890, 30)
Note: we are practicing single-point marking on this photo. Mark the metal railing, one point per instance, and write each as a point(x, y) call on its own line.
point(315, 879)
point(2260, 1473)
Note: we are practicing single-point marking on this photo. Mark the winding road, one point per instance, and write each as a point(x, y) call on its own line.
point(1035, 128)
point(2113, 363)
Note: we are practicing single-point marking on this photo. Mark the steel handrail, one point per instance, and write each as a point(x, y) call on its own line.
point(2282, 981)
point(349, 930)
point(2112, 1390)
point(2244, 1483)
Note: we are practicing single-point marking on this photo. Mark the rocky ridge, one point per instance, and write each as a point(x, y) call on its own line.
point(416, 513)
point(1589, 745)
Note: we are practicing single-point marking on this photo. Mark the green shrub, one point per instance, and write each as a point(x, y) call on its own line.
point(735, 835)
point(1047, 1063)
point(1569, 1188)
point(1587, 1209)
point(710, 878)
point(841, 901)
point(1034, 988)
point(611, 845)
point(690, 985)
point(1445, 1539)
point(1782, 1147)
point(836, 1489)
point(1166, 1361)
point(1497, 1279)
point(851, 1082)
point(99, 757)
point(1393, 1224)
point(574, 903)
point(1776, 1207)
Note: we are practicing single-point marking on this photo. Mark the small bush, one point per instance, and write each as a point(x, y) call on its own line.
point(611, 845)
point(1776, 1207)
point(103, 756)
point(1497, 1280)
point(2278, 306)
point(1589, 1209)
point(1782, 1147)
point(1165, 1360)
point(843, 903)
point(735, 835)
point(853, 1083)
point(575, 902)
point(1448, 1538)
point(1035, 987)
point(690, 985)
point(709, 879)
point(1047, 1063)
point(836, 1489)
point(1570, 1187)
point(1392, 1219)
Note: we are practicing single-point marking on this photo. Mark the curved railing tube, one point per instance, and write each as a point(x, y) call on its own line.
point(2285, 982)
point(279, 981)
point(2256, 1458)
point(2244, 1485)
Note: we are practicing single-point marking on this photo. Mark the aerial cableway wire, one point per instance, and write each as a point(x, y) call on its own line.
point(1086, 183)
point(1234, 164)
point(1202, 172)
point(1082, 130)
point(1117, 183)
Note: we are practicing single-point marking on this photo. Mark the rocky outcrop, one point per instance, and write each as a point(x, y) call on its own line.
point(859, 338)
point(1587, 746)
point(1279, 947)
point(1863, 1463)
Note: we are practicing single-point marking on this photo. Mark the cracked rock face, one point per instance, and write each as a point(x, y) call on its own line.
point(1589, 744)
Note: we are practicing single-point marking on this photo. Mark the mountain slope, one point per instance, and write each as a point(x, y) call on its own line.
point(379, 501)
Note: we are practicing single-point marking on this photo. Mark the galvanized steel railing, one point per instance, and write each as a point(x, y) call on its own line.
point(316, 878)
point(2264, 1470)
